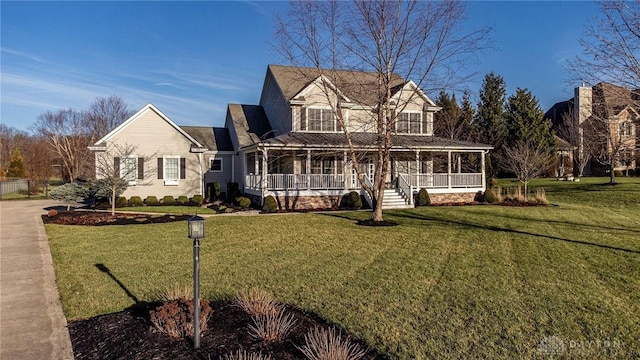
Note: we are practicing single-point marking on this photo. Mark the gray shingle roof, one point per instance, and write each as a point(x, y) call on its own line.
point(250, 122)
point(359, 86)
point(367, 140)
point(212, 138)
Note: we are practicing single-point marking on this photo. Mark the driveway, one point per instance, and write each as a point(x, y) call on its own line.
point(32, 325)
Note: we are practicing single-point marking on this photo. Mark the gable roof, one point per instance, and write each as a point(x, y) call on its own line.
point(250, 123)
point(134, 117)
point(212, 138)
point(610, 100)
point(355, 85)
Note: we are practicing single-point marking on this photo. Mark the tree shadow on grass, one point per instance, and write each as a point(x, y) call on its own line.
point(506, 230)
point(569, 223)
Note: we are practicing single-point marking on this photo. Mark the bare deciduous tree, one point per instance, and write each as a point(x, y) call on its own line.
point(106, 113)
point(69, 133)
point(392, 41)
point(570, 131)
point(37, 158)
point(611, 46)
point(527, 159)
point(116, 168)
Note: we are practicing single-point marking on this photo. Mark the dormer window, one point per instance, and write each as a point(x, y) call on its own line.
point(319, 119)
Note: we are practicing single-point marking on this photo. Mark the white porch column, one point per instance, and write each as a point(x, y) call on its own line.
point(459, 163)
point(484, 176)
point(449, 169)
point(345, 170)
point(308, 165)
point(265, 159)
point(418, 170)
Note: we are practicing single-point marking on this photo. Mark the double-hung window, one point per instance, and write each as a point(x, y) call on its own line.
point(129, 169)
point(625, 128)
point(171, 170)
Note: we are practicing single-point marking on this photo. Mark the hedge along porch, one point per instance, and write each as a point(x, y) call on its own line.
point(316, 169)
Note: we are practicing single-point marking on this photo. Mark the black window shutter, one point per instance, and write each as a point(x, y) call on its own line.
point(183, 168)
point(116, 166)
point(140, 168)
point(160, 168)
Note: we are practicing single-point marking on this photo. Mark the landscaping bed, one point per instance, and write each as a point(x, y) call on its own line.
point(103, 218)
point(129, 334)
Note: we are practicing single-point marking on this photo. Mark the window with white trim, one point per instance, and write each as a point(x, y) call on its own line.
point(171, 168)
point(318, 119)
point(409, 123)
point(326, 165)
point(216, 165)
point(129, 168)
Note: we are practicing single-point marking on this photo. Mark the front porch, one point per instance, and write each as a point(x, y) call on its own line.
point(309, 173)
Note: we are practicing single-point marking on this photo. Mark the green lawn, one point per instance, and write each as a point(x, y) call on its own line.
point(448, 282)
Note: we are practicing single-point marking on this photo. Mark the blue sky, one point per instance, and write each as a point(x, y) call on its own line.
point(191, 59)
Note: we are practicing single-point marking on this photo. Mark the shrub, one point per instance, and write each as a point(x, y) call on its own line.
point(244, 355)
point(272, 327)
point(135, 201)
point(151, 200)
point(423, 198)
point(121, 202)
point(244, 202)
point(233, 191)
point(69, 193)
point(216, 191)
point(175, 317)
point(270, 204)
point(182, 200)
point(257, 302)
point(52, 212)
point(323, 344)
point(197, 199)
point(168, 200)
point(490, 197)
point(479, 197)
point(353, 201)
point(618, 173)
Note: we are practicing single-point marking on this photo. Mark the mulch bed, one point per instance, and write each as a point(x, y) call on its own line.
point(131, 335)
point(103, 218)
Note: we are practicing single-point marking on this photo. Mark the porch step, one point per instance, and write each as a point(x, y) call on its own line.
point(393, 200)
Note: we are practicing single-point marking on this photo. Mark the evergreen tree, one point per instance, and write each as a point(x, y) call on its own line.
point(525, 121)
point(448, 121)
point(467, 114)
point(16, 165)
point(490, 118)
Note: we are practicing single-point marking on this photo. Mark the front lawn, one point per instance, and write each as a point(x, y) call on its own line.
point(448, 282)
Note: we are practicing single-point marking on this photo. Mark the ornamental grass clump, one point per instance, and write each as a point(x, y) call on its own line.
point(323, 344)
point(272, 327)
point(244, 355)
point(174, 292)
point(541, 197)
point(257, 302)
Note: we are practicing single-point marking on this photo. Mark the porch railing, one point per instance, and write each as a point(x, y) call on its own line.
point(406, 188)
point(443, 180)
point(296, 181)
point(337, 181)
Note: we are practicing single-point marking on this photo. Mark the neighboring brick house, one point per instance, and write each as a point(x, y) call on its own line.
point(291, 146)
point(606, 118)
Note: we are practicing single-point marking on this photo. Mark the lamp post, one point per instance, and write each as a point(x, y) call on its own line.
point(196, 232)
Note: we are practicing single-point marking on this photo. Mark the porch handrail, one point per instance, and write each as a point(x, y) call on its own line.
point(369, 184)
point(405, 188)
point(444, 180)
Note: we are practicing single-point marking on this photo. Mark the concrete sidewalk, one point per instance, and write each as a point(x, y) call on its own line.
point(32, 325)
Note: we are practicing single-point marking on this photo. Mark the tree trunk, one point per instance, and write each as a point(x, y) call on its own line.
point(113, 202)
point(612, 175)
